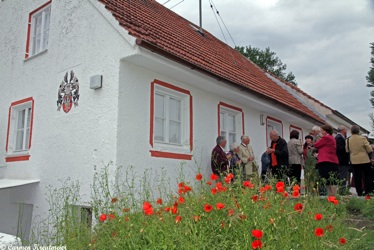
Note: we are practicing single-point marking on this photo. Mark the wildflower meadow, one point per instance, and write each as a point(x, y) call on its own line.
point(221, 213)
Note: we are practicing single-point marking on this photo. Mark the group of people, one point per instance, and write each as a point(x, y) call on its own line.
point(327, 160)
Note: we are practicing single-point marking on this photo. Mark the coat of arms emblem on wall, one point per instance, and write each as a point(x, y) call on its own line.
point(68, 93)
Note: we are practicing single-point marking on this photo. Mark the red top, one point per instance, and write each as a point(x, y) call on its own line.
point(326, 149)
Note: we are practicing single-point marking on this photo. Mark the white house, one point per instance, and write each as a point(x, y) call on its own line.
point(152, 92)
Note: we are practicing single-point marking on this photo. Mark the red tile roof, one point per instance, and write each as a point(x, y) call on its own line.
point(159, 28)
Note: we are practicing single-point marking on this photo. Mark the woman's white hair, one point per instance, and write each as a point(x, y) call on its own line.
point(233, 146)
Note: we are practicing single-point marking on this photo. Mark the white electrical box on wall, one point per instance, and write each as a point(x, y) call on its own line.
point(96, 81)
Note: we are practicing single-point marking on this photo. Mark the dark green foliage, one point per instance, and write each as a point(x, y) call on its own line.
point(370, 76)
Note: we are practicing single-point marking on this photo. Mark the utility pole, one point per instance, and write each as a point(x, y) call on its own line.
point(201, 17)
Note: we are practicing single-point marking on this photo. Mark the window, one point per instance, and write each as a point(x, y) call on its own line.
point(231, 123)
point(171, 121)
point(168, 121)
point(273, 124)
point(82, 215)
point(38, 30)
point(19, 132)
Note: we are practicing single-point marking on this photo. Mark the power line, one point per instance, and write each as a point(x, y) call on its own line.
point(212, 4)
point(166, 2)
point(176, 4)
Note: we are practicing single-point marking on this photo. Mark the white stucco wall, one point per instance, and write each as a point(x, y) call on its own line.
point(134, 115)
point(63, 144)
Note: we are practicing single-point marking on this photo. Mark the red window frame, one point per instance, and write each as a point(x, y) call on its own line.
point(222, 104)
point(29, 27)
point(11, 158)
point(162, 154)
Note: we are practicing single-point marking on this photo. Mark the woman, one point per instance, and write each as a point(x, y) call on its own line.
point(310, 171)
point(327, 160)
point(295, 157)
point(234, 159)
point(358, 148)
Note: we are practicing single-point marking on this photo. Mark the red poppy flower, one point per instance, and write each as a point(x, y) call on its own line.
point(280, 184)
point(256, 244)
point(268, 187)
point(248, 184)
point(296, 187)
point(295, 194)
point(209, 183)
point(214, 190)
point(280, 190)
point(114, 200)
point(285, 194)
point(208, 208)
point(167, 209)
point(199, 177)
point(299, 207)
point(318, 232)
point(148, 209)
point(181, 184)
point(342, 241)
point(231, 212)
point(159, 201)
point(219, 185)
point(255, 198)
point(178, 219)
point(223, 224)
point(220, 206)
point(181, 199)
point(174, 210)
point(214, 177)
point(367, 197)
point(102, 217)
point(333, 199)
point(227, 180)
point(112, 216)
point(187, 189)
point(257, 233)
point(318, 217)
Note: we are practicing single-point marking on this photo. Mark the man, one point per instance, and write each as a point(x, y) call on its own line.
point(278, 152)
point(316, 133)
point(246, 154)
point(219, 161)
point(343, 158)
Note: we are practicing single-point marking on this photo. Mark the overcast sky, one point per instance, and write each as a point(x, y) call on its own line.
point(325, 43)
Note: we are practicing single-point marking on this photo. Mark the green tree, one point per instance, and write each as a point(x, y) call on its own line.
point(370, 76)
point(267, 60)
